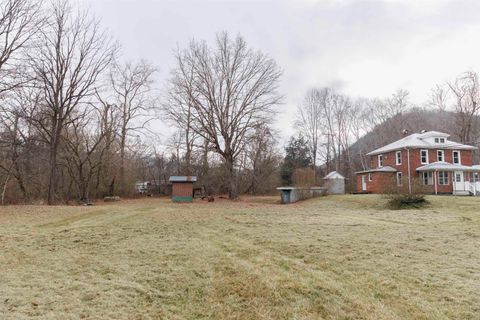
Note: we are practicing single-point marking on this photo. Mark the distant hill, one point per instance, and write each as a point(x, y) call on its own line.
point(414, 121)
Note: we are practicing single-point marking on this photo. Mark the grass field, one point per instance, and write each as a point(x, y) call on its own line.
point(338, 257)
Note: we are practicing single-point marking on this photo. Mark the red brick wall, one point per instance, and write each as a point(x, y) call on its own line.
point(380, 180)
point(182, 189)
point(466, 157)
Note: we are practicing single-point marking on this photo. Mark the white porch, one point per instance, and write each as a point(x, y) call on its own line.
point(464, 180)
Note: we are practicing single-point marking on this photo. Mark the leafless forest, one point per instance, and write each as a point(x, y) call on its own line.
point(75, 118)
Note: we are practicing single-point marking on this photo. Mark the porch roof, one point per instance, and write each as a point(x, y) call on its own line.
point(447, 166)
point(381, 169)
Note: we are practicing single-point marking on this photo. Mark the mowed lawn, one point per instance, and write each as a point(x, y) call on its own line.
point(337, 257)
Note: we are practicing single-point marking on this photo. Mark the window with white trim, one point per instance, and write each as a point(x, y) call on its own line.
point(427, 178)
point(458, 177)
point(380, 160)
point(476, 177)
point(369, 176)
point(440, 155)
point(424, 156)
point(399, 179)
point(456, 157)
point(443, 178)
point(439, 140)
point(398, 157)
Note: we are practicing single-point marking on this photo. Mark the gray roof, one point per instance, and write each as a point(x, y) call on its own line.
point(419, 140)
point(182, 179)
point(381, 169)
point(334, 175)
point(447, 166)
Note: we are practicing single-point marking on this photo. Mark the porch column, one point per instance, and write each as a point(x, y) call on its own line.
point(474, 184)
point(435, 181)
point(454, 185)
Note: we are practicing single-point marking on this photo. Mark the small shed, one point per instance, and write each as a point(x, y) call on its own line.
point(335, 183)
point(182, 188)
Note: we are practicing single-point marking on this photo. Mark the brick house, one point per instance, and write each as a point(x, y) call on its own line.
point(429, 159)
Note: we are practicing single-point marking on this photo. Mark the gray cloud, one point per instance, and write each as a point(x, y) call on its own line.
point(363, 48)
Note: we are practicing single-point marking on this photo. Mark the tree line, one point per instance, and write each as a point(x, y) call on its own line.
point(69, 105)
point(75, 117)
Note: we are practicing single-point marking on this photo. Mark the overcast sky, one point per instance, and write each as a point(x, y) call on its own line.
point(362, 48)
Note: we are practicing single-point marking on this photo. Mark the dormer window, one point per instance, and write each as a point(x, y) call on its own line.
point(380, 160)
point(439, 140)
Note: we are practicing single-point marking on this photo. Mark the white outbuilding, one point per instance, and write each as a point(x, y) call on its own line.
point(335, 183)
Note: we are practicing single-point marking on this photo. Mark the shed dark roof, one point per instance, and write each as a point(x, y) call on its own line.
point(182, 179)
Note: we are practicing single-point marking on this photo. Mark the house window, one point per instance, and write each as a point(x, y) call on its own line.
point(398, 157)
point(476, 177)
point(439, 140)
point(436, 140)
point(427, 178)
point(458, 177)
point(440, 155)
point(380, 160)
point(424, 156)
point(443, 178)
point(456, 157)
point(369, 177)
point(399, 179)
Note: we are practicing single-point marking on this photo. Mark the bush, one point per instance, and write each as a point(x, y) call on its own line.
point(406, 201)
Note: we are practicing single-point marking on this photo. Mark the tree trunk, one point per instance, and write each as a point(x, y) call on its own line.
point(232, 178)
point(5, 189)
point(111, 188)
point(52, 171)
point(123, 139)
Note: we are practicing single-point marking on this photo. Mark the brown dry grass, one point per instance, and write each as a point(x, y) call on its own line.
point(339, 257)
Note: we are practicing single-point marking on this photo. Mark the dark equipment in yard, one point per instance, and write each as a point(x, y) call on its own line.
point(182, 188)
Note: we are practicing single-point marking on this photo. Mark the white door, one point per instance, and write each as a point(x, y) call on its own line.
point(364, 183)
point(459, 182)
point(476, 182)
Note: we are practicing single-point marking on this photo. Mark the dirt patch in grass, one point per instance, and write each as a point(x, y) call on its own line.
point(337, 257)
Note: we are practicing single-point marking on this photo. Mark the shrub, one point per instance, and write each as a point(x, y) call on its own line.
point(406, 201)
point(403, 198)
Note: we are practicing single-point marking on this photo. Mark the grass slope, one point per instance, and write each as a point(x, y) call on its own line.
point(339, 257)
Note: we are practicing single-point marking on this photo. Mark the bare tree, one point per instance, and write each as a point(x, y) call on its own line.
point(466, 93)
point(439, 97)
point(262, 161)
point(132, 87)
point(84, 149)
point(107, 125)
point(383, 109)
point(73, 51)
point(310, 123)
point(20, 20)
point(229, 91)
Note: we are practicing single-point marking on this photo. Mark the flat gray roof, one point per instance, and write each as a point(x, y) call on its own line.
point(182, 179)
